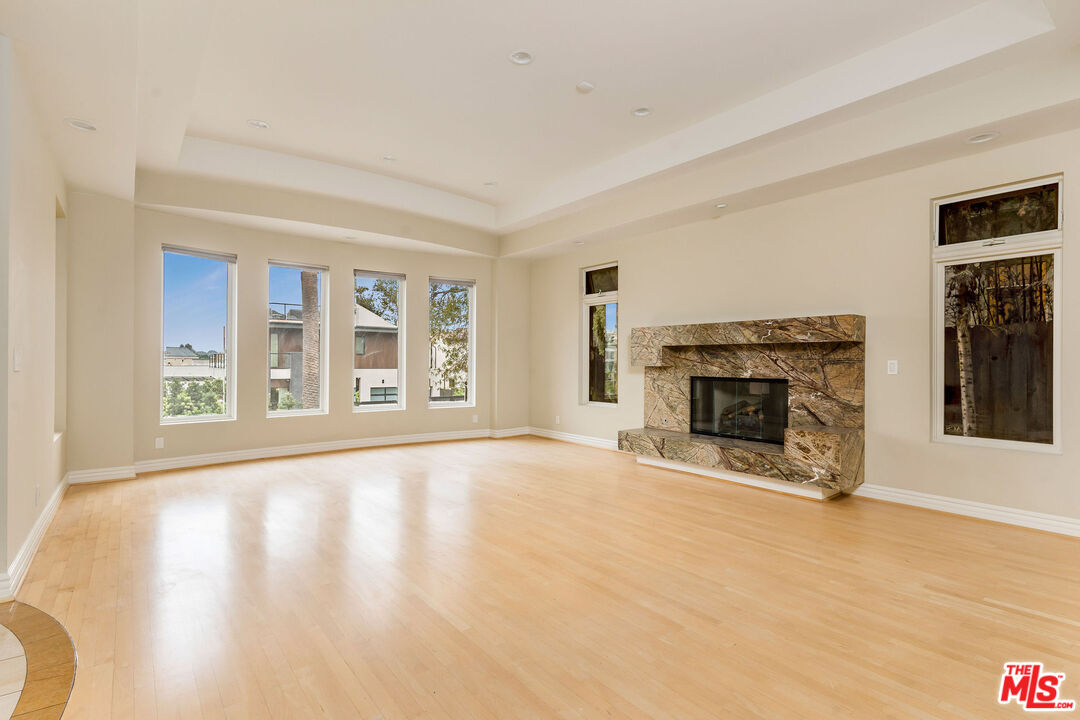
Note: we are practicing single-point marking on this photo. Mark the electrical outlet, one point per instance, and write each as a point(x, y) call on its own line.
point(476, 418)
point(557, 420)
point(894, 367)
point(159, 443)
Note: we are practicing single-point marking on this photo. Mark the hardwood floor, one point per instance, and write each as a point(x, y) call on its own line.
point(528, 578)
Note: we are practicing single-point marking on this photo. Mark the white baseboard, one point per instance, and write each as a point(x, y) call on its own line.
point(12, 579)
point(788, 488)
point(604, 443)
point(998, 513)
point(122, 472)
point(511, 432)
point(142, 466)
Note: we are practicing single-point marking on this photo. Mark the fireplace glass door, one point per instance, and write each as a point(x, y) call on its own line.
point(745, 408)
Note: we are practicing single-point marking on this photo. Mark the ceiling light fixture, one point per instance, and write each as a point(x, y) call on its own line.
point(521, 57)
point(579, 242)
point(721, 206)
point(642, 112)
point(389, 158)
point(259, 124)
point(84, 125)
point(491, 184)
point(983, 137)
point(585, 87)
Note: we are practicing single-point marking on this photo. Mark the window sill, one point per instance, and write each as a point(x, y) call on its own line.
point(294, 413)
point(441, 405)
point(193, 419)
point(594, 403)
point(375, 408)
point(1014, 445)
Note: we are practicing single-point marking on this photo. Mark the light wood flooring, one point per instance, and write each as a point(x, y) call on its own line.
point(527, 578)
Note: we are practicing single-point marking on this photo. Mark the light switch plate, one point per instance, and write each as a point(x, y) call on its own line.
point(558, 419)
point(894, 367)
point(16, 359)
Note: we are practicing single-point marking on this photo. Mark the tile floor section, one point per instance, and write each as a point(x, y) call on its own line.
point(37, 664)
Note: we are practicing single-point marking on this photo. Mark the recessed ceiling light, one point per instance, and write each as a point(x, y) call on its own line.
point(389, 158)
point(259, 124)
point(585, 87)
point(983, 137)
point(721, 206)
point(579, 242)
point(642, 111)
point(350, 237)
point(491, 184)
point(84, 125)
point(521, 57)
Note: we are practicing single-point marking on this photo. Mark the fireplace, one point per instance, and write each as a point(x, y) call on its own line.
point(743, 408)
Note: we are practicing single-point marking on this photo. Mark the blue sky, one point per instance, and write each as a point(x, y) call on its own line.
point(196, 298)
point(285, 286)
point(195, 301)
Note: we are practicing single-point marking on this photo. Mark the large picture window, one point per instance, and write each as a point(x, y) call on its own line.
point(601, 327)
point(296, 343)
point(997, 339)
point(197, 341)
point(451, 327)
point(378, 340)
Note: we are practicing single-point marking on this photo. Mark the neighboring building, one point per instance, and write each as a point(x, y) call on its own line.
point(183, 362)
point(375, 359)
point(180, 356)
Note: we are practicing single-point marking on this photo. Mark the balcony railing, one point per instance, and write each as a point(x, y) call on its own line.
point(286, 311)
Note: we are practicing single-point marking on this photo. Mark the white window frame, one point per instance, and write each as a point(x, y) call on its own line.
point(1048, 242)
point(470, 399)
point(324, 338)
point(400, 405)
point(588, 301)
point(230, 339)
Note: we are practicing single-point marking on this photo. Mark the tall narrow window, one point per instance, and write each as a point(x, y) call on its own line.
point(997, 260)
point(601, 334)
point(197, 357)
point(452, 320)
point(378, 340)
point(297, 343)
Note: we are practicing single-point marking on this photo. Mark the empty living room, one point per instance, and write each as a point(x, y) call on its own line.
point(503, 360)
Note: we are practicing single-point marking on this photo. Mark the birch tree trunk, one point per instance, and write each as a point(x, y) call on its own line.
point(967, 372)
point(309, 298)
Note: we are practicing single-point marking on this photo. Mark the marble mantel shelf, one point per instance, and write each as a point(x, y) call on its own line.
point(647, 343)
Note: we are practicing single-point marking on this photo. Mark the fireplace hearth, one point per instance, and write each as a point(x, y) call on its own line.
point(741, 408)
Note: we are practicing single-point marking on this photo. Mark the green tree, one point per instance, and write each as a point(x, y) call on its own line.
point(449, 328)
point(381, 298)
point(285, 400)
point(190, 396)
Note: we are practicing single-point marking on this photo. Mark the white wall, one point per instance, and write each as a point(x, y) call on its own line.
point(101, 321)
point(863, 248)
point(32, 189)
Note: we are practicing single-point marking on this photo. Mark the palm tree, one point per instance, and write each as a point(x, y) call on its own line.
point(309, 298)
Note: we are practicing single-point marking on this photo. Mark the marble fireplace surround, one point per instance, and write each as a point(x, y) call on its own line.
point(821, 357)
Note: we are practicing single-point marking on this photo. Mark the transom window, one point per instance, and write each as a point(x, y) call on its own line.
point(997, 341)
